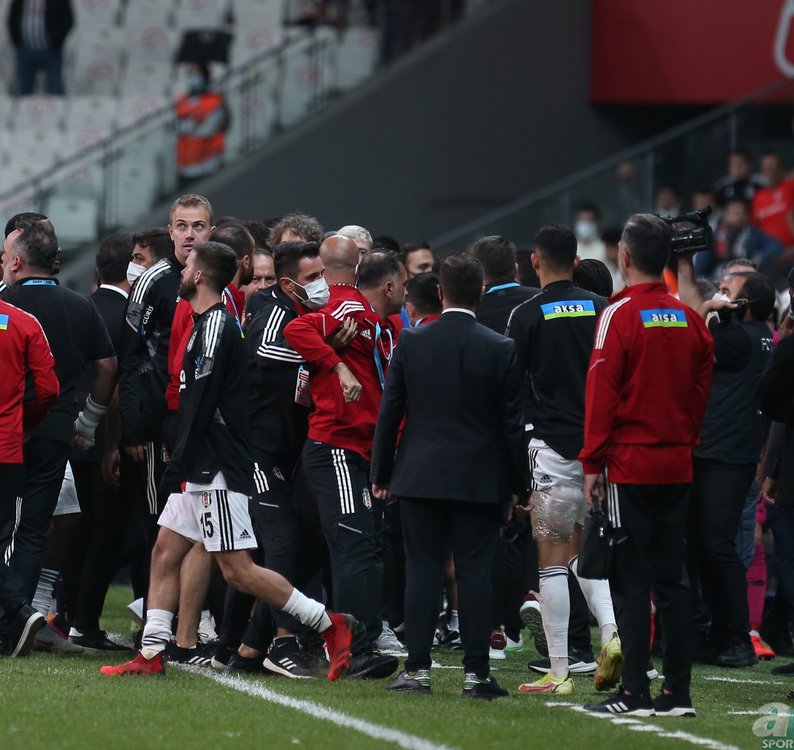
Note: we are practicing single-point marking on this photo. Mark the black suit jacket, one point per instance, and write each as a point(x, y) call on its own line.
point(458, 385)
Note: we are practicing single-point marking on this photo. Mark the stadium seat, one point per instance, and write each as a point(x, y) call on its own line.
point(39, 111)
point(75, 217)
point(41, 144)
point(147, 13)
point(151, 44)
point(98, 112)
point(255, 39)
point(96, 13)
point(146, 78)
point(253, 112)
point(357, 56)
point(97, 61)
point(302, 80)
point(133, 108)
point(202, 14)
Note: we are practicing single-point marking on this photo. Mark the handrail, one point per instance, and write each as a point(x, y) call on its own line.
point(104, 145)
point(598, 167)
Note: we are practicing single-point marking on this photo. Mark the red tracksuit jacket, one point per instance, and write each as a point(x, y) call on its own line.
point(23, 349)
point(647, 388)
point(350, 426)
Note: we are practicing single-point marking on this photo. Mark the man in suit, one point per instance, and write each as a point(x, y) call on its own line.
point(458, 470)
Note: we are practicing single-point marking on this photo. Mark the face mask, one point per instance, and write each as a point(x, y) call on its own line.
point(134, 270)
point(195, 82)
point(586, 230)
point(317, 293)
point(720, 297)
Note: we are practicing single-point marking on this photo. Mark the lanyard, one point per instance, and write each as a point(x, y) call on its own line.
point(404, 315)
point(39, 282)
point(230, 297)
point(503, 286)
point(378, 362)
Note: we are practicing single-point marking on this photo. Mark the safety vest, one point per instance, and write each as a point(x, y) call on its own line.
point(201, 122)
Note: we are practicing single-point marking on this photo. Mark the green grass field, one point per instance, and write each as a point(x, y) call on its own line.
point(53, 702)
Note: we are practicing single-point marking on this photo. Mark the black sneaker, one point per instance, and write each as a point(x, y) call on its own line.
point(484, 688)
point(220, 659)
point(99, 641)
point(419, 682)
point(673, 705)
point(22, 632)
point(249, 665)
point(371, 666)
point(285, 658)
point(623, 703)
point(738, 655)
point(579, 662)
point(784, 669)
point(195, 656)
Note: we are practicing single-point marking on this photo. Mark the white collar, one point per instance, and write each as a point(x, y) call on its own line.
point(459, 309)
point(115, 289)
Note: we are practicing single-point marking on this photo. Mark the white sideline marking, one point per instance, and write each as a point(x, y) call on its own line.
point(638, 726)
point(376, 731)
point(714, 678)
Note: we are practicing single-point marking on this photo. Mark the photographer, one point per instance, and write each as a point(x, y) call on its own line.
point(728, 452)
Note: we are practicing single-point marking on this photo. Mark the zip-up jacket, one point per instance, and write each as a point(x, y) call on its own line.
point(24, 352)
point(279, 396)
point(554, 332)
point(234, 300)
point(143, 360)
point(350, 426)
point(213, 410)
point(647, 388)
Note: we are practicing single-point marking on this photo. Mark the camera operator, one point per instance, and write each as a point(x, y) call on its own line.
point(726, 457)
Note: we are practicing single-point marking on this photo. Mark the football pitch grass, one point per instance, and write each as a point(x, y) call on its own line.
point(50, 701)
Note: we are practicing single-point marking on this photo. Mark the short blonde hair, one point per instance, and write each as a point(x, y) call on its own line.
point(191, 200)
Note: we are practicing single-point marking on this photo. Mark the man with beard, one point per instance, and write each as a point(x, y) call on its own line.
point(213, 461)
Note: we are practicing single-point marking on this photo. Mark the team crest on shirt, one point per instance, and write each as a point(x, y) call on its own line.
point(206, 499)
point(367, 498)
point(277, 474)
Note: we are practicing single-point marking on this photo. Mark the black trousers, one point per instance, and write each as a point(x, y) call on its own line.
point(719, 491)
point(12, 589)
point(45, 465)
point(472, 530)
point(509, 585)
point(287, 523)
point(104, 517)
point(653, 518)
point(339, 479)
point(393, 565)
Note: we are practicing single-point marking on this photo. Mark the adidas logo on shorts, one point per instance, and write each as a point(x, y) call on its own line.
point(244, 535)
point(545, 479)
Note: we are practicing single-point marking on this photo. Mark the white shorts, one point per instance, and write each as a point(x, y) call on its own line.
point(557, 501)
point(68, 503)
point(211, 514)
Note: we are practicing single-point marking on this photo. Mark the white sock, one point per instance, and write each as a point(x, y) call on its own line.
point(43, 596)
point(454, 623)
point(307, 611)
point(555, 609)
point(156, 632)
point(599, 601)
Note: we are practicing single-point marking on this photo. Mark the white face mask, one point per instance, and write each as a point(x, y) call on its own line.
point(317, 293)
point(720, 297)
point(134, 270)
point(586, 229)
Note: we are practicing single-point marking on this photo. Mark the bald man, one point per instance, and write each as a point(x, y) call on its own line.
point(340, 257)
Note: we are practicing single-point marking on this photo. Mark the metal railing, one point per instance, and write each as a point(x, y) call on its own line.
point(690, 156)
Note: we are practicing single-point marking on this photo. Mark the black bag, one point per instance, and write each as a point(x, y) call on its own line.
point(597, 546)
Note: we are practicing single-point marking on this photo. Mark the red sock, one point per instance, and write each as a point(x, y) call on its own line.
point(756, 587)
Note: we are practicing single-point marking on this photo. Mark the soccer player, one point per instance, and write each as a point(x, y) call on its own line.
point(213, 461)
point(554, 334)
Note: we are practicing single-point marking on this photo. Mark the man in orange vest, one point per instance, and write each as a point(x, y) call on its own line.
point(202, 120)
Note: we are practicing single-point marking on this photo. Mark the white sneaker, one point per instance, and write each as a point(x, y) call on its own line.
point(388, 643)
point(514, 647)
point(206, 628)
point(135, 611)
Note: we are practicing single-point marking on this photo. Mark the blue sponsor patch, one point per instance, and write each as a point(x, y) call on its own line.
point(568, 308)
point(664, 318)
point(3, 322)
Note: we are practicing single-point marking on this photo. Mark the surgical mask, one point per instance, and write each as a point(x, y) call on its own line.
point(134, 270)
point(317, 293)
point(586, 230)
point(720, 297)
point(196, 82)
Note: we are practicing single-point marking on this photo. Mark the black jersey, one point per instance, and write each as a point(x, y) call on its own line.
point(77, 335)
point(279, 397)
point(554, 333)
point(143, 359)
point(213, 406)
